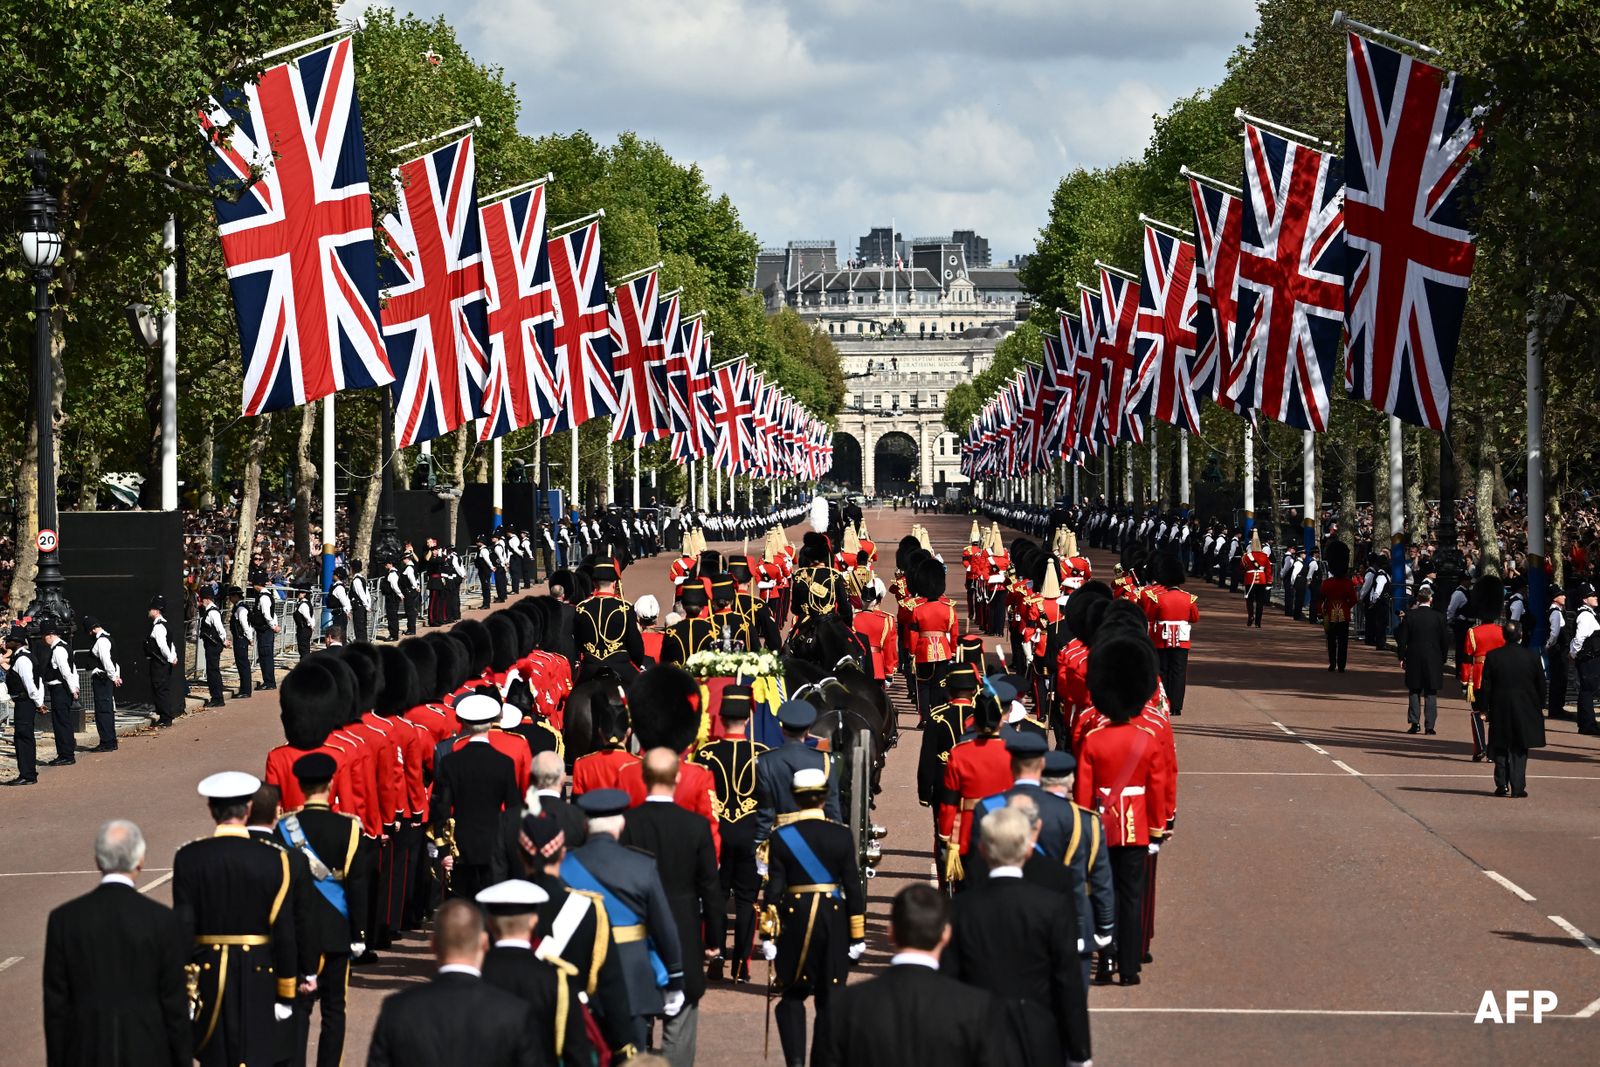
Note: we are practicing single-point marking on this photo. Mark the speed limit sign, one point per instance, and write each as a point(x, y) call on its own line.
point(46, 540)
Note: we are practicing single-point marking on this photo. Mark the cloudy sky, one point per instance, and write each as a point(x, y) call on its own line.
point(823, 118)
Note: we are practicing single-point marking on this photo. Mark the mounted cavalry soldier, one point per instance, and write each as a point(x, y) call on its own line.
point(607, 630)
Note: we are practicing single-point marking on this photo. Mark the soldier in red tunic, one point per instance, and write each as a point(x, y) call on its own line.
point(1486, 603)
point(599, 769)
point(935, 634)
point(1257, 567)
point(1172, 614)
point(978, 766)
point(877, 628)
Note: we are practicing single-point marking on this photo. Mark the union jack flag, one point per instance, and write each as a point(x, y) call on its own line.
point(298, 243)
point(521, 386)
point(1114, 348)
point(1090, 372)
point(585, 380)
point(1216, 272)
point(1058, 389)
point(680, 372)
point(1291, 279)
point(636, 332)
point(734, 410)
point(667, 317)
point(435, 313)
point(702, 399)
point(1410, 139)
point(1165, 338)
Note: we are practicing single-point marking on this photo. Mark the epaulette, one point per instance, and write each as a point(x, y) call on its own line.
point(1193, 599)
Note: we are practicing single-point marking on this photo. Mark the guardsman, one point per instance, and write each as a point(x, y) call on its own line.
point(1256, 566)
point(858, 577)
point(945, 727)
point(26, 690)
point(213, 638)
point(770, 584)
point(997, 572)
point(1124, 773)
point(978, 767)
point(695, 632)
point(1173, 614)
point(233, 894)
point(1075, 568)
point(969, 567)
point(816, 913)
point(642, 925)
point(707, 567)
point(935, 634)
point(599, 769)
point(331, 845)
point(681, 570)
point(549, 985)
point(1487, 602)
point(908, 599)
point(105, 678)
point(869, 546)
point(263, 620)
point(667, 714)
point(608, 631)
point(815, 587)
point(1338, 604)
point(161, 663)
point(1057, 820)
point(1043, 636)
point(877, 629)
point(1019, 597)
point(755, 610)
point(731, 759)
point(775, 803)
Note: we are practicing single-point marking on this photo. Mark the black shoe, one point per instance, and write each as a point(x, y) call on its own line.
point(1413, 729)
point(1149, 958)
point(1430, 732)
point(714, 971)
point(366, 959)
point(212, 704)
point(1501, 793)
point(62, 761)
point(1521, 794)
point(241, 695)
point(264, 688)
point(1128, 979)
point(102, 748)
point(1480, 757)
point(20, 780)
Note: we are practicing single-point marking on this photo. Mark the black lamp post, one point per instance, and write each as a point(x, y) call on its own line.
point(388, 547)
point(40, 237)
point(1447, 562)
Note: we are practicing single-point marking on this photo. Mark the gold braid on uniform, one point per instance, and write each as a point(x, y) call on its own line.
point(563, 998)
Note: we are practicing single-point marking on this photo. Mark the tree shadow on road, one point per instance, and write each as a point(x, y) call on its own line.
point(1526, 938)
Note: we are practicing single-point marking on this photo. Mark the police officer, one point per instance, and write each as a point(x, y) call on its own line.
point(331, 845)
point(239, 615)
point(816, 912)
point(642, 924)
point(731, 759)
point(393, 596)
point(213, 638)
point(61, 689)
point(263, 609)
point(232, 893)
point(339, 605)
point(360, 602)
point(27, 695)
point(161, 662)
point(304, 624)
point(775, 770)
point(104, 679)
point(607, 630)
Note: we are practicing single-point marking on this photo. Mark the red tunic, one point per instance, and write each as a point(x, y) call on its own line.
point(696, 791)
point(1257, 568)
point(903, 624)
point(1481, 640)
point(1172, 614)
point(1123, 774)
point(978, 767)
point(877, 627)
point(652, 643)
point(391, 766)
point(936, 633)
point(508, 744)
point(1338, 599)
point(280, 772)
point(1076, 571)
point(1072, 685)
point(599, 770)
point(361, 750)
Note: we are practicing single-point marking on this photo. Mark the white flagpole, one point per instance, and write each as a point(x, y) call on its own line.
point(1308, 474)
point(329, 534)
point(1249, 477)
point(1183, 465)
point(1155, 482)
point(169, 368)
point(638, 447)
point(574, 502)
point(499, 497)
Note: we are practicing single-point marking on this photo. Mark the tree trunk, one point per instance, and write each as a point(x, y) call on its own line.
point(367, 520)
point(458, 470)
point(1416, 512)
point(89, 487)
point(26, 566)
point(305, 480)
point(1488, 544)
point(1347, 500)
point(208, 466)
point(244, 536)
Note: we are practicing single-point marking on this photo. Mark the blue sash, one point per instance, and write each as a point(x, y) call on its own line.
point(331, 888)
point(995, 803)
point(807, 859)
point(578, 876)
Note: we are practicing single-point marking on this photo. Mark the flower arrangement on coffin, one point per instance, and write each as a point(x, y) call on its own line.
point(761, 671)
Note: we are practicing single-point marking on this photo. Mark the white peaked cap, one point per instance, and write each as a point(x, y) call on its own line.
point(477, 707)
point(810, 778)
point(225, 785)
point(511, 894)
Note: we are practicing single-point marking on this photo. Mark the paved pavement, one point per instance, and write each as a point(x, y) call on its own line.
point(1337, 889)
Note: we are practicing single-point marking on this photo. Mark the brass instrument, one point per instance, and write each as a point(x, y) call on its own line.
point(445, 842)
point(191, 982)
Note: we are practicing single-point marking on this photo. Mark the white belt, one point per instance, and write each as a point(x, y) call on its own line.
point(1127, 791)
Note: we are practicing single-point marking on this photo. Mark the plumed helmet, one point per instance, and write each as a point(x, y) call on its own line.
point(665, 705)
point(1122, 676)
point(1488, 598)
point(309, 704)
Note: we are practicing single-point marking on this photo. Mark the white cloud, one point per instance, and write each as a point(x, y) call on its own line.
point(826, 117)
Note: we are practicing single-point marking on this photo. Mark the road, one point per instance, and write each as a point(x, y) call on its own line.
point(1337, 889)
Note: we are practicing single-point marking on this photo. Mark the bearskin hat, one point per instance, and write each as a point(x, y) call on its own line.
point(523, 625)
point(533, 611)
point(480, 646)
point(902, 552)
point(344, 681)
point(398, 693)
point(1122, 676)
point(814, 548)
point(503, 641)
point(450, 652)
point(1488, 598)
point(1337, 553)
point(1169, 570)
point(363, 661)
point(928, 579)
point(665, 706)
point(1093, 616)
point(424, 667)
point(1122, 618)
point(1075, 614)
point(309, 704)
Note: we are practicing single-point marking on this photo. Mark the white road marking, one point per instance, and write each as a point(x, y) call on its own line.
point(1482, 775)
point(163, 880)
point(1290, 1011)
point(1282, 727)
point(9, 962)
point(57, 874)
point(1589, 1012)
point(1343, 766)
point(1315, 748)
point(1577, 935)
point(1509, 884)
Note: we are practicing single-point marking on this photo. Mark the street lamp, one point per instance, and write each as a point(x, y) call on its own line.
point(40, 238)
point(387, 547)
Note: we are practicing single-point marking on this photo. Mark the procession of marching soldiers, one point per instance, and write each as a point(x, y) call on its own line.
point(549, 792)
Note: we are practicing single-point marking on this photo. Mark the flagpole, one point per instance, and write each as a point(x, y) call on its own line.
point(574, 457)
point(1213, 182)
point(1249, 477)
point(1308, 475)
point(499, 497)
point(329, 534)
point(296, 46)
point(471, 124)
point(1538, 595)
point(1177, 231)
point(1397, 518)
point(1183, 467)
point(611, 475)
point(1341, 21)
point(564, 227)
point(1117, 271)
point(1312, 140)
point(520, 187)
point(638, 447)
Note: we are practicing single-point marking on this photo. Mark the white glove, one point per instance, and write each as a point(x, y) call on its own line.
point(857, 950)
point(433, 851)
point(358, 948)
point(1155, 847)
point(672, 1002)
point(769, 951)
point(761, 868)
point(1080, 1063)
point(1102, 940)
point(282, 1012)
